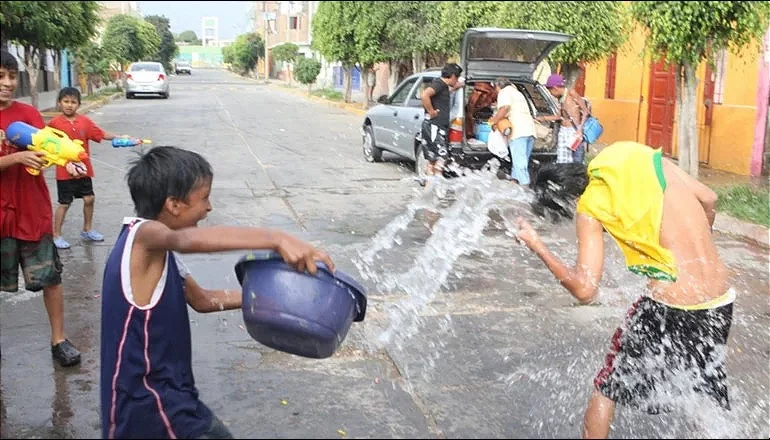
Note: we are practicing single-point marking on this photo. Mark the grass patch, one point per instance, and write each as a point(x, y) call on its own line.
point(102, 93)
point(744, 202)
point(330, 94)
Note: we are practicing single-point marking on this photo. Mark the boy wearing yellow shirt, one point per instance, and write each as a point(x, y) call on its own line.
point(661, 219)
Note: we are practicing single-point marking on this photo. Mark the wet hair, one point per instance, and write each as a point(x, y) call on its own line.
point(69, 91)
point(8, 61)
point(451, 69)
point(164, 172)
point(557, 186)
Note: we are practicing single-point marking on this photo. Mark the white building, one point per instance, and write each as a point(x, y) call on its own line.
point(210, 31)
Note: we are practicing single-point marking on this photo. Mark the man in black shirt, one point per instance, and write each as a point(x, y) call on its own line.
point(436, 100)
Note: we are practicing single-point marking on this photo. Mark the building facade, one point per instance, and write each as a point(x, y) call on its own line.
point(635, 98)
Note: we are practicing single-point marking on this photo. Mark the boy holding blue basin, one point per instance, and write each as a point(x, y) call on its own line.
point(147, 385)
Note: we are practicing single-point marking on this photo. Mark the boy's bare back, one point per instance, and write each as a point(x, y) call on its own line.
point(686, 231)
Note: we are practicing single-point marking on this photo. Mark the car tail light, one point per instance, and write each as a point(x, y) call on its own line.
point(456, 131)
point(161, 77)
point(128, 76)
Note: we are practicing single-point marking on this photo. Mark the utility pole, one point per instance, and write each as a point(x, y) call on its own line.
point(267, 29)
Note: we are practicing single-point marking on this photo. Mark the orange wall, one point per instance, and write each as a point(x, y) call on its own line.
point(725, 145)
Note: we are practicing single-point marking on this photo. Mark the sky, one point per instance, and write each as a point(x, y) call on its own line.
point(233, 16)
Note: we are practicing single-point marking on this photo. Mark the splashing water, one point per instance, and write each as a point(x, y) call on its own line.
point(461, 210)
point(461, 207)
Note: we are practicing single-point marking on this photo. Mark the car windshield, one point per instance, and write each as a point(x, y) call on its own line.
point(145, 67)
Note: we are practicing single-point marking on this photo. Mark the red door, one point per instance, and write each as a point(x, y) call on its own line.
point(660, 116)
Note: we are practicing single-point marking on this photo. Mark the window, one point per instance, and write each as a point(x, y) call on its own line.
point(718, 76)
point(293, 22)
point(609, 82)
point(399, 97)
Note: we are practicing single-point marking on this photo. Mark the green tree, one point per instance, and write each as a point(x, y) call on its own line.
point(286, 53)
point(334, 35)
point(599, 28)
point(687, 33)
point(244, 53)
point(94, 64)
point(188, 37)
point(167, 49)
point(127, 39)
point(306, 71)
point(37, 26)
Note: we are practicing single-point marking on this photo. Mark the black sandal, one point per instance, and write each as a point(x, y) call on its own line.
point(65, 353)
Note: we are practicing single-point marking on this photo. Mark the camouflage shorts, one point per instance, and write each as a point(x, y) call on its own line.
point(39, 261)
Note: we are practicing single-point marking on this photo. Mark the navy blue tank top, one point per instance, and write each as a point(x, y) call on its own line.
point(147, 384)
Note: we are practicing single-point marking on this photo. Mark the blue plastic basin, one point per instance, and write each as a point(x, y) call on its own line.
point(294, 312)
point(482, 131)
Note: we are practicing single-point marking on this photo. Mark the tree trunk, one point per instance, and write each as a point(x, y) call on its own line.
point(690, 117)
point(392, 76)
point(686, 131)
point(367, 88)
point(310, 90)
point(32, 63)
point(348, 82)
point(570, 72)
point(57, 69)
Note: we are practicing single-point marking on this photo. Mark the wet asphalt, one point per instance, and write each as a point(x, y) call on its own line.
point(500, 351)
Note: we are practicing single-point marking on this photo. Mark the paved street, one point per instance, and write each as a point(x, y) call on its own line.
point(467, 335)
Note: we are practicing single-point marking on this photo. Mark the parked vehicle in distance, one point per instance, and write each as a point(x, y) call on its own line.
point(146, 77)
point(394, 124)
point(182, 66)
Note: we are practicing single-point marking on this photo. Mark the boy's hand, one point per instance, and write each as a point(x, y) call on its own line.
point(32, 159)
point(76, 169)
point(526, 233)
point(302, 256)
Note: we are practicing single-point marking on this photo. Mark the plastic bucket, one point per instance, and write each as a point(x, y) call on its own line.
point(482, 130)
point(295, 312)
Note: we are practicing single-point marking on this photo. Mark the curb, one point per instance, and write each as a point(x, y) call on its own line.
point(754, 233)
point(354, 107)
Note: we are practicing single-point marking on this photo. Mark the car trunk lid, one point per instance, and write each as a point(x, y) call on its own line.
point(488, 53)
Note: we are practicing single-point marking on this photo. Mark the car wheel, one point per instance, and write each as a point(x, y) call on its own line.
point(371, 152)
point(420, 163)
point(164, 95)
point(129, 95)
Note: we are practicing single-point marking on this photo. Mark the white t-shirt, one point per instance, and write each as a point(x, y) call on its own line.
point(518, 113)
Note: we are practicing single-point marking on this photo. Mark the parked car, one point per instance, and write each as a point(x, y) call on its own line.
point(394, 124)
point(182, 67)
point(146, 77)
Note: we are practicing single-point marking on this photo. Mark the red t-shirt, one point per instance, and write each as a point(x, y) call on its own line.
point(81, 128)
point(25, 204)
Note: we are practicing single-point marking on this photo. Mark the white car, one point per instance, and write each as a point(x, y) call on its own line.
point(146, 77)
point(182, 67)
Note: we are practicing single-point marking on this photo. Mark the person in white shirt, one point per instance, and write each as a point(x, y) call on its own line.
point(512, 104)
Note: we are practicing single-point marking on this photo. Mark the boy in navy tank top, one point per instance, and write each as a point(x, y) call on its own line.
point(147, 384)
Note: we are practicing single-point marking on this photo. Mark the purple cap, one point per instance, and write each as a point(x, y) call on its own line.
point(554, 80)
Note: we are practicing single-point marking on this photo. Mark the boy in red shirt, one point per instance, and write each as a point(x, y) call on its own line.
point(25, 217)
point(69, 186)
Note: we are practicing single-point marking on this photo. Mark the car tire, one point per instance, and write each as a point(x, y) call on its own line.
point(371, 152)
point(420, 162)
point(164, 95)
point(129, 95)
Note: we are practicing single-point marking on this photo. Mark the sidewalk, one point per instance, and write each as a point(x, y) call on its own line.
point(46, 102)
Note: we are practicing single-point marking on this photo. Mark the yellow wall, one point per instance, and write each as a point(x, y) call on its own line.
point(725, 145)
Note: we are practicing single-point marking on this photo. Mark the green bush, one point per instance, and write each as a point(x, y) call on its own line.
point(745, 202)
point(306, 71)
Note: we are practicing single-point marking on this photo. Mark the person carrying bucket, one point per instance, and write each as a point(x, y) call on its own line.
point(147, 384)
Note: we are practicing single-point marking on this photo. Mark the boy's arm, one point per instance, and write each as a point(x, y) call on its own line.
point(582, 281)
point(205, 300)
point(155, 236)
point(32, 159)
